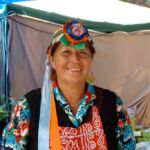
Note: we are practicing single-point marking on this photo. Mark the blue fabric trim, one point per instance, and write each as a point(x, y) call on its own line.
point(45, 108)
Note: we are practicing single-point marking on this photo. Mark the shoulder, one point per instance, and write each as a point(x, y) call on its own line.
point(36, 93)
point(105, 94)
point(105, 91)
point(34, 97)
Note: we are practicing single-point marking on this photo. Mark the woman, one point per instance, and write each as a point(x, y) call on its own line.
point(70, 113)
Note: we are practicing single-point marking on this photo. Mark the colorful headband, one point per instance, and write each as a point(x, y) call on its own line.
point(74, 33)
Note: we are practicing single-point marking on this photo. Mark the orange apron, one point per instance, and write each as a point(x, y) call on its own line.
point(88, 136)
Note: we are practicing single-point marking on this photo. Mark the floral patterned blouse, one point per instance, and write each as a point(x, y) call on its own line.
point(15, 134)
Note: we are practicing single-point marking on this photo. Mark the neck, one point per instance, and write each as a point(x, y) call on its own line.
point(73, 93)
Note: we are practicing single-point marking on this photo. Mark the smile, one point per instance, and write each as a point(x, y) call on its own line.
point(74, 69)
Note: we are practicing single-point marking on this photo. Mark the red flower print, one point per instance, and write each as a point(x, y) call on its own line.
point(88, 97)
point(18, 138)
point(22, 130)
point(17, 110)
point(120, 123)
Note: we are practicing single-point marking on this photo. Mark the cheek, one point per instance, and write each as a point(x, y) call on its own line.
point(88, 65)
point(58, 65)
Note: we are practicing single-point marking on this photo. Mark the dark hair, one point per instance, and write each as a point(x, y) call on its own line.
point(89, 44)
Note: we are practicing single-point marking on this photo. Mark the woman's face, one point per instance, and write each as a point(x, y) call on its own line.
point(71, 66)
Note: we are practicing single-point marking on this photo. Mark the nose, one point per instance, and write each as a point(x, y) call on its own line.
point(74, 57)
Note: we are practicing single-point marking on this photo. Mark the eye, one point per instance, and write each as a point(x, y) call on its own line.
point(65, 52)
point(84, 54)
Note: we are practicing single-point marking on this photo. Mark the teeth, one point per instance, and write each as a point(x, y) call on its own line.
point(74, 69)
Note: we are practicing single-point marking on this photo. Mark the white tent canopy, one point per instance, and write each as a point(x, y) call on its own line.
point(113, 11)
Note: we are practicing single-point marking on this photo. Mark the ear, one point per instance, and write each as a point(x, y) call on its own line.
point(52, 63)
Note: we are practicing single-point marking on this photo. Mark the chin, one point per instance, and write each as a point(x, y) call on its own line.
point(75, 81)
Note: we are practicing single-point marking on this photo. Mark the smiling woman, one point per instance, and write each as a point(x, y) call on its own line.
point(69, 113)
point(73, 66)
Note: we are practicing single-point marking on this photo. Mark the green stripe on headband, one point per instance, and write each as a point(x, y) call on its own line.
point(64, 41)
point(80, 46)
